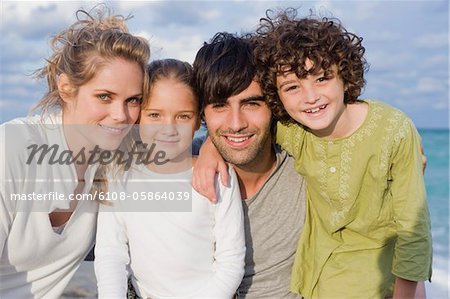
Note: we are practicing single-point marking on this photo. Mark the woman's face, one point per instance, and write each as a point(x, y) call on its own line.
point(170, 119)
point(102, 111)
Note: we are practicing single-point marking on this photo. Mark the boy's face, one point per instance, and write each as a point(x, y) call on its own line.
point(316, 101)
point(240, 127)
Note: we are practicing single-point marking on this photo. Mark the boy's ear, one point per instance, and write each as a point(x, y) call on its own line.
point(65, 88)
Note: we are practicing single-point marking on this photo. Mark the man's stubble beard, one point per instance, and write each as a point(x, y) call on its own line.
point(245, 157)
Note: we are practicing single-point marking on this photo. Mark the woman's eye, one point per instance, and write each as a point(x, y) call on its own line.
point(103, 97)
point(135, 101)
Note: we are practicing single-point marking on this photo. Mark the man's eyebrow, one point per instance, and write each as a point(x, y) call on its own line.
point(258, 98)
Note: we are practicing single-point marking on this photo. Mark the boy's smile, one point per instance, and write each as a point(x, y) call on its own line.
point(316, 101)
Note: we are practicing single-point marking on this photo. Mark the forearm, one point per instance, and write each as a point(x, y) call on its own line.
point(404, 289)
point(111, 257)
point(230, 243)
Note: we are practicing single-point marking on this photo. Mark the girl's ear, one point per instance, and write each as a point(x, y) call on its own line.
point(65, 88)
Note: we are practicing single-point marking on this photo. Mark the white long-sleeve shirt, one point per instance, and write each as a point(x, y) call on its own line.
point(170, 254)
point(35, 261)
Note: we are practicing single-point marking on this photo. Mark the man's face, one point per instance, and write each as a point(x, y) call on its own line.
point(240, 127)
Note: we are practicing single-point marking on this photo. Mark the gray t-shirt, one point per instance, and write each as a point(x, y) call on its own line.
point(273, 220)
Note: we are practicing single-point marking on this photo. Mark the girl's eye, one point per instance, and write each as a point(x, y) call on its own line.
point(153, 115)
point(184, 116)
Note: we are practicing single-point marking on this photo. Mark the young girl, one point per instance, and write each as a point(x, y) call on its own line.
point(367, 231)
point(172, 250)
point(95, 85)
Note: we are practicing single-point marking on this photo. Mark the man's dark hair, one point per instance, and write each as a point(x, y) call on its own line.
point(223, 68)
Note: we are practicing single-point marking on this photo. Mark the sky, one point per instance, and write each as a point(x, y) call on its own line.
point(407, 43)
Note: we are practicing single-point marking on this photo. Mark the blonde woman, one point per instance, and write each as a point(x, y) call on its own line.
point(95, 85)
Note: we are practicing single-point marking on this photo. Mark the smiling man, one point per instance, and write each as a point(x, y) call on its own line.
point(241, 127)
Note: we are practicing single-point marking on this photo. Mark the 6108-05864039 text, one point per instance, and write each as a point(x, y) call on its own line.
point(107, 196)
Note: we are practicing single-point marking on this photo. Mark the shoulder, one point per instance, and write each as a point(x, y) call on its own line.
point(30, 130)
point(386, 110)
point(389, 119)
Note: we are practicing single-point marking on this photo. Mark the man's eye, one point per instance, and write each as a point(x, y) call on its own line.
point(218, 106)
point(252, 104)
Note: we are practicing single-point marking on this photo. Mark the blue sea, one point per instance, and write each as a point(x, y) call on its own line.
point(436, 146)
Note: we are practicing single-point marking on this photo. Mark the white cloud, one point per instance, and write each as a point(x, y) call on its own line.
point(428, 84)
point(432, 40)
point(406, 41)
point(184, 47)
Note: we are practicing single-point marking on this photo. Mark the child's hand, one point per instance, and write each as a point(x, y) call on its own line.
point(208, 164)
point(424, 159)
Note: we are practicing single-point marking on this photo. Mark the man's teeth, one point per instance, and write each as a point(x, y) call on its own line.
point(315, 109)
point(238, 139)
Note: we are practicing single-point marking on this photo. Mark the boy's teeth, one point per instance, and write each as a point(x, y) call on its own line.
point(315, 109)
point(237, 139)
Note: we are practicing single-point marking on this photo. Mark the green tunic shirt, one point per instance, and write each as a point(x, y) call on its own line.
point(367, 216)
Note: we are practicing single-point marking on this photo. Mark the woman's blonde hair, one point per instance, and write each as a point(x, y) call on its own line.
point(82, 49)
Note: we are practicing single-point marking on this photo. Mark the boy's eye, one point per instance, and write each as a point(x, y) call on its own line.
point(323, 79)
point(290, 88)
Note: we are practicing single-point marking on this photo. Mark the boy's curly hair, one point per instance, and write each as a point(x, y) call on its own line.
point(283, 44)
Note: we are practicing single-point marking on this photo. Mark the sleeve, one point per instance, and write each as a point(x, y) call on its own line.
point(230, 243)
point(111, 254)
point(6, 219)
point(413, 249)
point(291, 138)
point(9, 168)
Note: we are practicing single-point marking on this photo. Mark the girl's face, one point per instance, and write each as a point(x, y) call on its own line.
point(170, 119)
point(316, 101)
point(102, 111)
